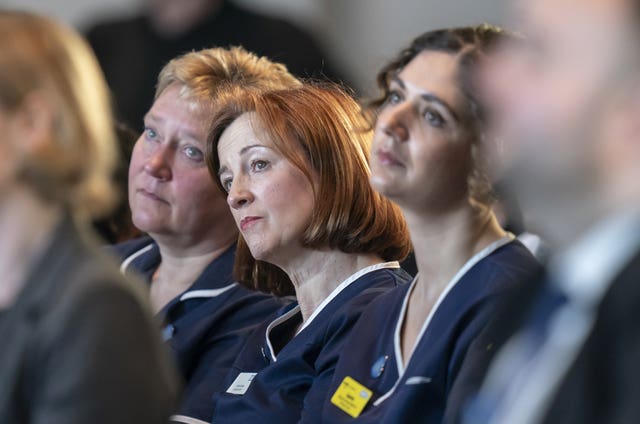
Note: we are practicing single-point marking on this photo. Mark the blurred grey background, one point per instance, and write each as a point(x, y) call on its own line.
point(358, 35)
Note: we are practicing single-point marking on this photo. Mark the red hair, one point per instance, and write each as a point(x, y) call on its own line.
point(320, 130)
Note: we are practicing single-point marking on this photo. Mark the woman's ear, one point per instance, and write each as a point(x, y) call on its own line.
point(623, 126)
point(619, 149)
point(33, 125)
point(27, 130)
point(634, 107)
point(495, 155)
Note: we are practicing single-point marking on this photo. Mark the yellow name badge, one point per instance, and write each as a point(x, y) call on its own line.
point(351, 397)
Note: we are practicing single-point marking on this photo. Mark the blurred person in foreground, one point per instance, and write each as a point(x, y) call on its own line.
point(567, 102)
point(132, 50)
point(188, 255)
point(78, 342)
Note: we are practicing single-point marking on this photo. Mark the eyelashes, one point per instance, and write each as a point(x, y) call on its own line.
point(255, 166)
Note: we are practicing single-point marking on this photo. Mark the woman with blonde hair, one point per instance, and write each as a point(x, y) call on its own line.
point(187, 257)
point(78, 342)
point(294, 165)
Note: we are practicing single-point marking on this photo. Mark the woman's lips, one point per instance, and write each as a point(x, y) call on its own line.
point(151, 195)
point(388, 159)
point(248, 221)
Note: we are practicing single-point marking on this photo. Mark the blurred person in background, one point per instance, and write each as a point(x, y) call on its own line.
point(429, 156)
point(117, 227)
point(294, 165)
point(509, 214)
point(188, 255)
point(133, 50)
point(78, 342)
point(566, 101)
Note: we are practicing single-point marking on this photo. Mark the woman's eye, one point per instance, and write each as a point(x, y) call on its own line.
point(194, 153)
point(259, 165)
point(434, 118)
point(226, 184)
point(393, 98)
point(150, 133)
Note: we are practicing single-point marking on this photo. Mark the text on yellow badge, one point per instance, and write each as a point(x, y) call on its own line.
point(351, 397)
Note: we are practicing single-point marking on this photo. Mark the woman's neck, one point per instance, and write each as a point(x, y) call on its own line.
point(26, 224)
point(444, 243)
point(179, 268)
point(315, 274)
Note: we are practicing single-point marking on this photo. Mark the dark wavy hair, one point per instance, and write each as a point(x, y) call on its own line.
point(472, 44)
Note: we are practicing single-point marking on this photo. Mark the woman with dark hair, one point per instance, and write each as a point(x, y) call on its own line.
point(428, 157)
point(294, 165)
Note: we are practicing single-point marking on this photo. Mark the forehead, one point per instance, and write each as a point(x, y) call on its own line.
point(175, 103)
point(243, 131)
point(433, 72)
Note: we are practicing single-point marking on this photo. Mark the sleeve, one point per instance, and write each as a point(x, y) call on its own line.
point(602, 385)
point(492, 331)
point(197, 402)
point(220, 348)
point(623, 380)
point(471, 374)
point(101, 362)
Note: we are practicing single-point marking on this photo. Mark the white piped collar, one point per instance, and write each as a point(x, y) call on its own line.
point(452, 283)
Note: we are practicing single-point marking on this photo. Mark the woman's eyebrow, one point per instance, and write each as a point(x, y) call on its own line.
point(243, 151)
point(398, 81)
point(429, 97)
point(432, 98)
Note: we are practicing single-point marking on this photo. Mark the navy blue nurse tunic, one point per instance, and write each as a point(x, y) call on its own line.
point(418, 392)
point(205, 327)
point(283, 372)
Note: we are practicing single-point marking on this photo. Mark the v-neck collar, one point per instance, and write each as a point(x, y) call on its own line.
point(488, 250)
point(294, 311)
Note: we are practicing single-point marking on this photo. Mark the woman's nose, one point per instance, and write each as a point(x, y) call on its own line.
point(394, 122)
point(239, 195)
point(158, 164)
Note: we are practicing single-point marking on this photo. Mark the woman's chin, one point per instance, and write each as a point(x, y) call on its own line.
point(260, 254)
point(146, 224)
point(385, 186)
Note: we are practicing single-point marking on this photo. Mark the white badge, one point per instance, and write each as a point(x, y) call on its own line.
point(241, 384)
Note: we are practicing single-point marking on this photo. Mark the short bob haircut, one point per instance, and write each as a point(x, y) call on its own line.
point(471, 45)
point(217, 75)
point(321, 130)
point(39, 56)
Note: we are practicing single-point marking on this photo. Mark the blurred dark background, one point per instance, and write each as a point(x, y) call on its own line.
point(355, 37)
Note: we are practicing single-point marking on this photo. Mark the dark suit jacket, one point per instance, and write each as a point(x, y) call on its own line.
point(602, 385)
point(78, 345)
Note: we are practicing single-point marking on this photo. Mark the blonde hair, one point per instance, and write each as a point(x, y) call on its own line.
point(218, 75)
point(74, 168)
point(321, 131)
